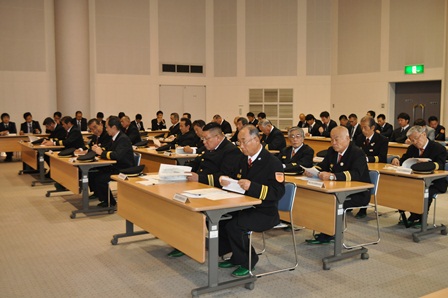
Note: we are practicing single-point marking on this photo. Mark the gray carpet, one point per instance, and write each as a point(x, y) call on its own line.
point(44, 253)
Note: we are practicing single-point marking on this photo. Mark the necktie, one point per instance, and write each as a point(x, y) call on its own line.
point(339, 157)
point(79, 123)
point(6, 126)
point(367, 142)
point(293, 152)
point(249, 163)
point(30, 128)
point(421, 151)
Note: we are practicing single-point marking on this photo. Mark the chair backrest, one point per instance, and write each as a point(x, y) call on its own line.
point(374, 178)
point(137, 158)
point(287, 201)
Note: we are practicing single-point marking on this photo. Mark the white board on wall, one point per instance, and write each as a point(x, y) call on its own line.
point(181, 99)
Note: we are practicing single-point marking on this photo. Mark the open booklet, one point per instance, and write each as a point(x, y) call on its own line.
point(411, 161)
point(233, 185)
point(315, 172)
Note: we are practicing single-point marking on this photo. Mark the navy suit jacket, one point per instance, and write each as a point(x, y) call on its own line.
point(35, 124)
point(376, 150)
point(11, 127)
point(274, 141)
point(303, 157)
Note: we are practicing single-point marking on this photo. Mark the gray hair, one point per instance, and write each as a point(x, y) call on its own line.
point(253, 131)
point(416, 129)
point(264, 123)
point(295, 128)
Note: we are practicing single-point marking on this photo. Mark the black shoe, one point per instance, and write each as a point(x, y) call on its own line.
point(113, 204)
point(361, 214)
point(103, 204)
point(8, 159)
point(93, 197)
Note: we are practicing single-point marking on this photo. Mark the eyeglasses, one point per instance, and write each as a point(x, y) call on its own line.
point(208, 138)
point(295, 136)
point(245, 142)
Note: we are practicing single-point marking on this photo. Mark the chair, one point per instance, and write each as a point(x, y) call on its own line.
point(285, 204)
point(113, 184)
point(374, 178)
point(435, 201)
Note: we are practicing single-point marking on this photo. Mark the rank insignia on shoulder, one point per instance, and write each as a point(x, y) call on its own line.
point(238, 176)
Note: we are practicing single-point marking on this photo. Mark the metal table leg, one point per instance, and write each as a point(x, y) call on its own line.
point(129, 232)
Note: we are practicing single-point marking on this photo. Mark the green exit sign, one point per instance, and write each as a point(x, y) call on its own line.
point(414, 69)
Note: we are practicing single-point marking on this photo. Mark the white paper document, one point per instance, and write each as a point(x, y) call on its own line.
point(233, 185)
point(156, 142)
point(209, 193)
point(315, 172)
point(174, 172)
point(180, 150)
point(411, 161)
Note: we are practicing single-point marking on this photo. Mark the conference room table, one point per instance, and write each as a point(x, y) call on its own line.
point(321, 209)
point(152, 159)
point(409, 192)
point(33, 156)
point(74, 176)
point(181, 225)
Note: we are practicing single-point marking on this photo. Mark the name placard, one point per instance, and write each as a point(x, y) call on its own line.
point(404, 170)
point(316, 183)
point(122, 176)
point(180, 198)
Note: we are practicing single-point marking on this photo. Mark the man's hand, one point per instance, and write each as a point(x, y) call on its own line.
point(321, 129)
point(325, 175)
point(97, 149)
point(194, 177)
point(395, 162)
point(188, 149)
point(244, 184)
point(47, 143)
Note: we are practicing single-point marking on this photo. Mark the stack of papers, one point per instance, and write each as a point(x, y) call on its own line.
point(209, 193)
point(174, 172)
point(233, 185)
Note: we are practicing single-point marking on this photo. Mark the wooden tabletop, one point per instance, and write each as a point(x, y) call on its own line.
point(380, 167)
point(167, 191)
point(330, 186)
point(36, 147)
point(171, 155)
point(69, 160)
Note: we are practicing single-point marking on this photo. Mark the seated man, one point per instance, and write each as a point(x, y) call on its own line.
point(30, 125)
point(198, 125)
point(355, 128)
point(138, 122)
point(120, 149)
point(313, 125)
point(240, 123)
point(385, 129)
point(57, 132)
point(399, 134)
point(219, 158)
point(422, 147)
point(73, 138)
point(433, 121)
point(272, 138)
point(187, 136)
point(7, 127)
point(298, 154)
point(257, 176)
point(373, 144)
point(174, 128)
point(344, 162)
point(158, 123)
point(327, 124)
point(225, 126)
point(130, 130)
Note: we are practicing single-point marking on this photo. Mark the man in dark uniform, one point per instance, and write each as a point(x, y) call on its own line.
point(355, 128)
point(302, 122)
point(240, 123)
point(343, 121)
point(385, 129)
point(225, 126)
point(374, 146)
point(57, 132)
point(251, 119)
point(100, 137)
point(7, 127)
point(422, 147)
point(298, 154)
point(158, 123)
point(80, 121)
point(138, 122)
point(272, 138)
point(120, 150)
point(372, 114)
point(73, 138)
point(344, 162)
point(327, 124)
point(219, 158)
point(29, 126)
point(257, 176)
point(130, 130)
point(313, 125)
point(186, 137)
point(440, 130)
point(399, 134)
point(198, 125)
point(174, 128)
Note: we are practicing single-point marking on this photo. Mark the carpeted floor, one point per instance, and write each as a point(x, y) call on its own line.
point(44, 253)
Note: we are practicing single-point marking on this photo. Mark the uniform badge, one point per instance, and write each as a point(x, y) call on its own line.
point(283, 157)
point(280, 177)
point(238, 176)
point(342, 164)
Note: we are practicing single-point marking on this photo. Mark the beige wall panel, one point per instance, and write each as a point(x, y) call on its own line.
point(416, 33)
point(182, 32)
point(225, 30)
point(318, 37)
point(122, 36)
point(359, 36)
point(271, 38)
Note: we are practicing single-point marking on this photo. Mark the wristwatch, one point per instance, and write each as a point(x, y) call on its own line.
point(332, 177)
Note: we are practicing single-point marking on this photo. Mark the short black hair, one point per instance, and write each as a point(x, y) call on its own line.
point(59, 114)
point(371, 113)
point(188, 115)
point(114, 121)
point(93, 120)
point(48, 121)
point(262, 115)
point(242, 120)
point(199, 122)
point(26, 115)
point(138, 116)
point(381, 116)
point(431, 118)
point(324, 114)
point(309, 117)
point(159, 112)
point(121, 114)
point(343, 117)
point(67, 119)
point(175, 116)
point(420, 121)
point(186, 121)
point(78, 112)
point(250, 114)
point(404, 116)
point(213, 126)
point(5, 115)
point(352, 115)
point(100, 115)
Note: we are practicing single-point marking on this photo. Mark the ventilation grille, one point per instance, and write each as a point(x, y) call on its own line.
point(182, 68)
